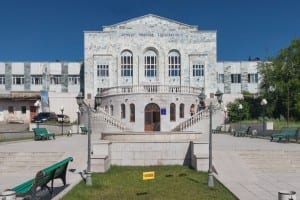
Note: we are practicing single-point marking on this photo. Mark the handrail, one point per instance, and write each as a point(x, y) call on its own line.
point(101, 114)
point(152, 89)
point(200, 115)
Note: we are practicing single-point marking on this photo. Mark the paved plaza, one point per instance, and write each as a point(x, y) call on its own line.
point(251, 168)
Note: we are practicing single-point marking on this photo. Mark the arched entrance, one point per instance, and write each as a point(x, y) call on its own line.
point(152, 117)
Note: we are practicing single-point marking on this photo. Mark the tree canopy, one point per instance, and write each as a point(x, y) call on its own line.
point(280, 82)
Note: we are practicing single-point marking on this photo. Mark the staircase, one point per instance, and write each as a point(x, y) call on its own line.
point(196, 118)
point(200, 121)
point(107, 121)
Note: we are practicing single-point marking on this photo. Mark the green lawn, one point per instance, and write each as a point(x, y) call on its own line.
point(171, 182)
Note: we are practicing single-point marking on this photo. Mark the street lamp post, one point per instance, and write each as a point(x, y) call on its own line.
point(225, 111)
point(201, 97)
point(37, 105)
point(80, 102)
point(78, 122)
point(62, 120)
point(263, 103)
point(240, 110)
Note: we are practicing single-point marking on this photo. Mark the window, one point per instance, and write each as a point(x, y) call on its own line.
point(235, 78)
point(106, 109)
point(126, 63)
point(174, 63)
point(10, 109)
point(102, 70)
point(111, 110)
point(132, 112)
point(220, 78)
point(23, 109)
point(252, 78)
point(36, 79)
point(18, 79)
point(2, 79)
point(198, 70)
point(150, 64)
point(123, 111)
point(172, 112)
point(181, 110)
point(55, 79)
point(74, 80)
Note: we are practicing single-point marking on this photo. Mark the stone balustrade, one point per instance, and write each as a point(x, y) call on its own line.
point(151, 89)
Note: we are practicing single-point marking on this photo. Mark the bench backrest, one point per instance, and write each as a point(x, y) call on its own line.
point(244, 128)
point(59, 167)
point(291, 131)
point(40, 131)
point(43, 177)
point(84, 129)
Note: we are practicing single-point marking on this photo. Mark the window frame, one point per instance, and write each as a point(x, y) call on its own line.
point(198, 70)
point(102, 70)
point(126, 64)
point(18, 79)
point(174, 63)
point(236, 78)
point(36, 79)
point(150, 64)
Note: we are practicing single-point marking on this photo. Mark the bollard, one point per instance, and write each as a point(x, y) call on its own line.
point(8, 195)
point(286, 195)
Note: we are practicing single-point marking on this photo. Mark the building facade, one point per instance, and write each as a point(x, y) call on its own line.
point(148, 70)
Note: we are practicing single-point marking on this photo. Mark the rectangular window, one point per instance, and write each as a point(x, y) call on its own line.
point(102, 70)
point(36, 79)
point(2, 79)
point(18, 79)
point(235, 78)
point(220, 78)
point(74, 80)
point(252, 78)
point(23, 109)
point(55, 79)
point(198, 70)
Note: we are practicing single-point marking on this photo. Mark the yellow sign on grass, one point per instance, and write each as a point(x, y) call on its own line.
point(148, 175)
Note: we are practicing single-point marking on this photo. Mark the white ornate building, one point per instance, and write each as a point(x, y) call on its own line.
point(149, 71)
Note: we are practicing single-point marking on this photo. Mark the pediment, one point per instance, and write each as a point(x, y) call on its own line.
point(149, 21)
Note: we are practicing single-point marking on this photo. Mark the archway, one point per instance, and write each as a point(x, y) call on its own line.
point(152, 117)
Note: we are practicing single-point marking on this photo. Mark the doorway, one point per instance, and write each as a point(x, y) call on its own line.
point(152, 117)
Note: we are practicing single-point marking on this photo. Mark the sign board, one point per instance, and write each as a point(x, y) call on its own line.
point(163, 111)
point(148, 175)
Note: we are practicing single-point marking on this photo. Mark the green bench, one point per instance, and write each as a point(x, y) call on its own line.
point(286, 133)
point(242, 131)
point(29, 188)
point(217, 130)
point(42, 134)
point(84, 129)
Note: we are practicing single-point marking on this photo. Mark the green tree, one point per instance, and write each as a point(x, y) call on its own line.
point(281, 81)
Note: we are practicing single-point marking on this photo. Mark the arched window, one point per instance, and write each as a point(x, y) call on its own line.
point(111, 110)
point(106, 108)
point(174, 63)
point(123, 111)
point(172, 112)
point(150, 62)
point(132, 112)
point(126, 63)
point(181, 110)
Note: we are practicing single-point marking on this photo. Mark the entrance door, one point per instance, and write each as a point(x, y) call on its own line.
point(152, 117)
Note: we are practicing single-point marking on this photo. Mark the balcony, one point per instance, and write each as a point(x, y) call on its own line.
point(151, 89)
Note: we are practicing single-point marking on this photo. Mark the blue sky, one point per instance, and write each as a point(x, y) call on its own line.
point(49, 30)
